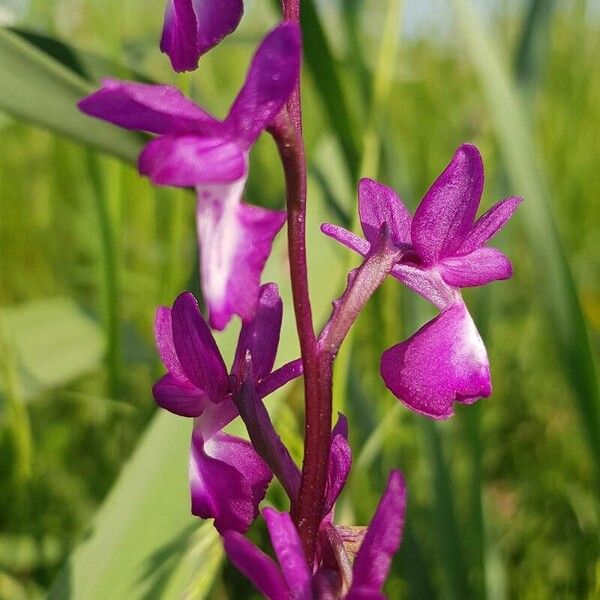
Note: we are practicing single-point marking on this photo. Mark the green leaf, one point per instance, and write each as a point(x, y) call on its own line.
point(85, 64)
point(41, 90)
point(522, 165)
point(52, 342)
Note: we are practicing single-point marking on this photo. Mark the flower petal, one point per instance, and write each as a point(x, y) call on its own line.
point(442, 363)
point(445, 215)
point(477, 268)
point(192, 27)
point(216, 417)
point(427, 283)
point(157, 109)
point(488, 224)
point(364, 594)
point(379, 204)
point(349, 239)
point(190, 160)
point(260, 335)
point(196, 349)
point(290, 554)
point(163, 336)
point(340, 462)
point(381, 542)
point(235, 242)
point(271, 79)
point(228, 480)
point(279, 377)
point(264, 438)
point(259, 568)
point(179, 397)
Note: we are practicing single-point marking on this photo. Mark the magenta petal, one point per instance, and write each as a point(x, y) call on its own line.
point(290, 554)
point(179, 38)
point(349, 239)
point(488, 224)
point(179, 397)
point(216, 417)
point(379, 204)
point(364, 594)
point(216, 19)
point(340, 462)
point(260, 335)
point(442, 363)
point(235, 242)
point(263, 436)
point(189, 160)
point(279, 377)
point(259, 568)
point(228, 480)
point(196, 349)
point(157, 109)
point(427, 283)
point(163, 335)
point(192, 27)
point(445, 215)
point(477, 268)
point(271, 79)
point(381, 542)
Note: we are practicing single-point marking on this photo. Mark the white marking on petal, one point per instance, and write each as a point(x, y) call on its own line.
point(469, 348)
point(219, 234)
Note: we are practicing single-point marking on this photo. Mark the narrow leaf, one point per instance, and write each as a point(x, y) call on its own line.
point(42, 91)
point(322, 65)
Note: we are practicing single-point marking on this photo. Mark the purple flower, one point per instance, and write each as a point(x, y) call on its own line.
point(294, 578)
point(192, 27)
point(194, 149)
point(227, 478)
point(443, 249)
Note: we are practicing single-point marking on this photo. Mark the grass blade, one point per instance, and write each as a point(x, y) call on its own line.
point(40, 90)
point(532, 48)
point(109, 275)
point(147, 509)
point(448, 538)
point(322, 65)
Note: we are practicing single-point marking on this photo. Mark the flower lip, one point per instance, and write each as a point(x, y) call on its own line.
point(442, 363)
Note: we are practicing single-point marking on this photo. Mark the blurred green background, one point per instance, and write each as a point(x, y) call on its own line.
point(503, 498)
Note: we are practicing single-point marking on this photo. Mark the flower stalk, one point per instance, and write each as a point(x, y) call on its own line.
point(318, 370)
point(317, 378)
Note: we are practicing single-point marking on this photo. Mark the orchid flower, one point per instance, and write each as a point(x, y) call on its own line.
point(295, 578)
point(442, 249)
point(194, 149)
point(192, 27)
point(228, 479)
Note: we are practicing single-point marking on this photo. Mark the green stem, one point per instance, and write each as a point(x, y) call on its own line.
point(109, 277)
